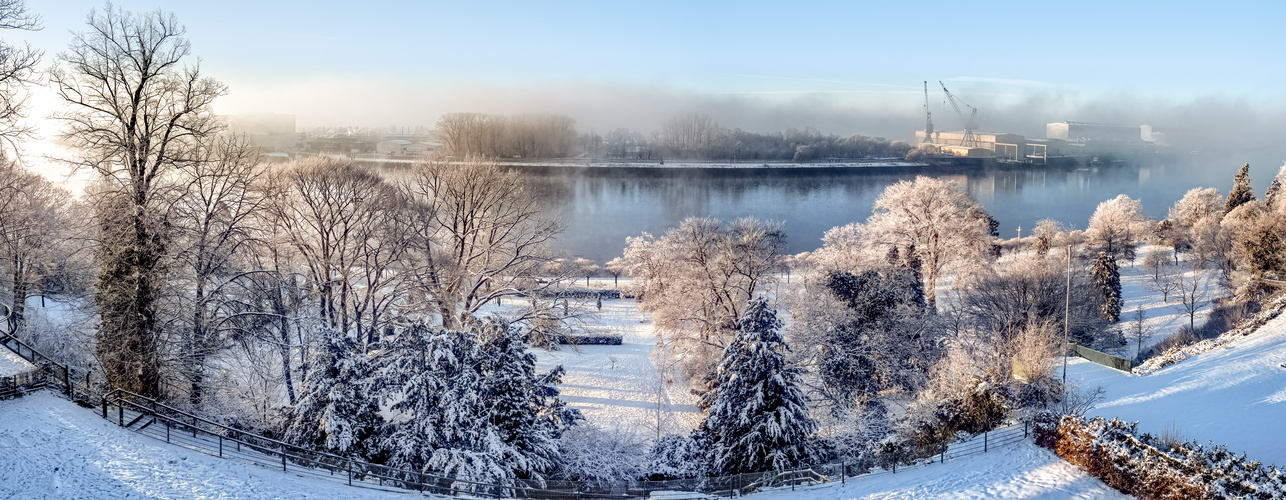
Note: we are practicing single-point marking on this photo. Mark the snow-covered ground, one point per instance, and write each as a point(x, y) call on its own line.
point(620, 385)
point(11, 364)
point(55, 449)
point(1234, 395)
point(51, 448)
point(1022, 471)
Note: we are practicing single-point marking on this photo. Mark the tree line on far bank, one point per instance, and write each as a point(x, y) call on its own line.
point(685, 136)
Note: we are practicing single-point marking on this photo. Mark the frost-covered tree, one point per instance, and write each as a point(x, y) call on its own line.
point(1241, 192)
point(1106, 278)
point(696, 280)
point(948, 229)
point(1199, 208)
point(1116, 226)
point(1046, 233)
point(588, 453)
point(338, 410)
point(759, 420)
point(137, 110)
point(1272, 196)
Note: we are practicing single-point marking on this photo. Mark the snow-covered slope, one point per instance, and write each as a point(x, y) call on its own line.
point(11, 364)
point(51, 448)
point(1234, 395)
point(1023, 471)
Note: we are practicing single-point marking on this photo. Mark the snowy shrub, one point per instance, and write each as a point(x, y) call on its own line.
point(589, 453)
point(1139, 465)
point(676, 456)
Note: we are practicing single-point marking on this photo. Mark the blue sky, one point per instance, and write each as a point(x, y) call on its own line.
point(402, 63)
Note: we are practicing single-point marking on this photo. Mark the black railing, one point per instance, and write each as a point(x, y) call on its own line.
point(53, 374)
point(163, 422)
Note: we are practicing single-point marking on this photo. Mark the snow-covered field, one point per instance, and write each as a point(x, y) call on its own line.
point(55, 449)
point(620, 385)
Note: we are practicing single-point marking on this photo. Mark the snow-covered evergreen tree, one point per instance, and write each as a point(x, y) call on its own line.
point(337, 410)
point(417, 372)
point(677, 456)
point(759, 420)
point(470, 405)
point(522, 406)
point(878, 346)
point(1107, 283)
point(1241, 192)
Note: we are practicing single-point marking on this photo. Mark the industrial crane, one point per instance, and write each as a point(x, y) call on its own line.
point(928, 116)
point(970, 140)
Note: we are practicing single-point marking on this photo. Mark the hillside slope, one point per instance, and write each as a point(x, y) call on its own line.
point(1234, 395)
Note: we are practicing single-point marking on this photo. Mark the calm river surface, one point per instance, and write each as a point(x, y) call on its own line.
point(603, 206)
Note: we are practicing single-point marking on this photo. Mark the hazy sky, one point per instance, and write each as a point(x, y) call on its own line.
point(842, 67)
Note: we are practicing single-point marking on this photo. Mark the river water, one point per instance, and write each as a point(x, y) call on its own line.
point(602, 206)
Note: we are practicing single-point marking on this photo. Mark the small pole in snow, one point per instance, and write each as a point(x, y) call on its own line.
point(984, 441)
point(843, 473)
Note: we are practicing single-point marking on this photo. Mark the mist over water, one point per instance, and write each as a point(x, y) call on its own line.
point(602, 207)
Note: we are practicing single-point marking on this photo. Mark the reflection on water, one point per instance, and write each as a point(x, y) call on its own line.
point(601, 207)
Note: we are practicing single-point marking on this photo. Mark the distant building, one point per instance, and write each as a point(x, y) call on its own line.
point(1002, 146)
point(269, 131)
point(403, 147)
point(1084, 131)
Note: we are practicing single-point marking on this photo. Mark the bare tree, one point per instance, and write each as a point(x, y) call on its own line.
point(341, 219)
point(478, 235)
point(135, 113)
point(35, 217)
point(1138, 330)
point(215, 225)
point(1190, 285)
point(17, 68)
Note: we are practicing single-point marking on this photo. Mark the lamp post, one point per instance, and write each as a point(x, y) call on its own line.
point(1067, 309)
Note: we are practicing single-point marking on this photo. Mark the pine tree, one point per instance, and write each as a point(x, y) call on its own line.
point(427, 375)
point(523, 408)
point(1106, 277)
point(336, 410)
point(470, 405)
point(759, 420)
point(1274, 190)
point(1241, 192)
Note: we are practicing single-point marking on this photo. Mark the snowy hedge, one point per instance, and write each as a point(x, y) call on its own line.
point(1144, 466)
point(591, 339)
